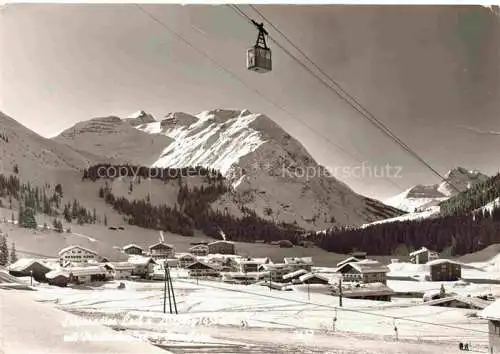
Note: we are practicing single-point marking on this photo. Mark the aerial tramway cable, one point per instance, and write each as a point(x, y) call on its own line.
point(339, 91)
point(280, 107)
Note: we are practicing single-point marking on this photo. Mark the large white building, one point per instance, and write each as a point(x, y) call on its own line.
point(76, 254)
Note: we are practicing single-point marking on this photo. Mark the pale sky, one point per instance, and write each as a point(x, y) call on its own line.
point(426, 72)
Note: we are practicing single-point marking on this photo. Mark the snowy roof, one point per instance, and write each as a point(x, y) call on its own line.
point(295, 274)
point(191, 266)
point(56, 273)
point(24, 263)
point(160, 245)
point(441, 261)
point(132, 245)
point(312, 275)
point(274, 266)
point(120, 265)
point(297, 260)
point(421, 250)
point(347, 260)
point(492, 312)
point(474, 301)
point(205, 247)
point(251, 260)
point(140, 260)
point(221, 241)
point(185, 256)
point(366, 266)
point(367, 289)
point(69, 248)
point(76, 271)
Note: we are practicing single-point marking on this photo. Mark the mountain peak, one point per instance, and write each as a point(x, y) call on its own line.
point(460, 171)
point(422, 196)
point(140, 117)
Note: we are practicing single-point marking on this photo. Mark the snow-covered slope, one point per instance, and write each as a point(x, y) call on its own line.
point(421, 197)
point(270, 171)
point(37, 158)
point(116, 138)
point(432, 211)
point(490, 206)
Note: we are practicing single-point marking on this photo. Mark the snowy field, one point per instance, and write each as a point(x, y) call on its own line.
point(222, 318)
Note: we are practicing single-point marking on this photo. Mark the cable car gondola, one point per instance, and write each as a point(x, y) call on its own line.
point(259, 56)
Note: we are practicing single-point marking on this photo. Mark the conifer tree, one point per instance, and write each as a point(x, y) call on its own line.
point(13, 254)
point(28, 219)
point(4, 251)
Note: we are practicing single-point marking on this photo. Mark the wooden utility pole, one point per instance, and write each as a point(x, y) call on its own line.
point(168, 288)
point(172, 288)
point(340, 292)
point(165, 290)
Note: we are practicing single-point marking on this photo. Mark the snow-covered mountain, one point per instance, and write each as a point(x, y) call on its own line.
point(116, 138)
point(140, 117)
point(265, 165)
point(36, 158)
point(421, 197)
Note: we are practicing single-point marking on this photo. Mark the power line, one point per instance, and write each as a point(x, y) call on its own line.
point(342, 94)
point(339, 308)
point(336, 308)
point(280, 107)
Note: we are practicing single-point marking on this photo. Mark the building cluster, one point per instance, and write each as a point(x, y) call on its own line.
point(363, 278)
point(218, 259)
point(437, 269)
point(360, 278)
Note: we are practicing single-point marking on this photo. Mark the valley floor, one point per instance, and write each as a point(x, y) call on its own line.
point(221, 318)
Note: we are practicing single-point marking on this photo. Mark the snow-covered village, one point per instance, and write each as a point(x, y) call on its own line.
point(249, 179)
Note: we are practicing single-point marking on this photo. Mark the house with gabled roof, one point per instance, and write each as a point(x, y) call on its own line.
point(299, 262)
point(422, 256)
point(366, 271)
point(276, 271)
point(201, 269)
point(26, 267)
point(221, 247)
point(80, 275)
point(161, 250)
point(57, 277)
point(444, 270)
point(199, 250)
point(77, 254)
point(143, 266)
point(185, 259)
point(119, 270)
point(247, 264)
point(133, 249)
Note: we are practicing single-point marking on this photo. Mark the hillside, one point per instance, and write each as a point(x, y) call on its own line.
point(466, 223)
point(421, 197)
point(115, 138)
point(482, 195)
point(270, 172)
point(39, 158)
